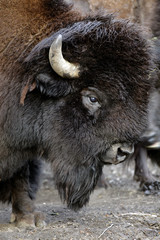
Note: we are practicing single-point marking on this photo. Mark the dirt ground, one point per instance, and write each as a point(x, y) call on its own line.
point(117, 213)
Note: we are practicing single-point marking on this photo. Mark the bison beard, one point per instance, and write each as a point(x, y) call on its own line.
point(75, 184)
point(76, 121)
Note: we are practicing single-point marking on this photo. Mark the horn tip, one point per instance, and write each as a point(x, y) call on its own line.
point(59, 39)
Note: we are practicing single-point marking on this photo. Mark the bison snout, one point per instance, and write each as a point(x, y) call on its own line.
point(118, 153)
point(151, 139)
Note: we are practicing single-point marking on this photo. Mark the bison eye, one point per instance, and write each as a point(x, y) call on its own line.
point(90, 100)
point(93, 99)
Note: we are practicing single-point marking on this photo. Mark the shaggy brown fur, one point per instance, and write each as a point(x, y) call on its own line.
point(43, 115)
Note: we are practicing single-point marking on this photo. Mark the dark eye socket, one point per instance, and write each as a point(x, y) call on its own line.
point(93, 99)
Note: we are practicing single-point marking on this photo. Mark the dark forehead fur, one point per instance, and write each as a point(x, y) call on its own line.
point(108, 50)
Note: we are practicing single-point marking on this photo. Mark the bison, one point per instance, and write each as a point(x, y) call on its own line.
point(149, 145)
point(74, 91)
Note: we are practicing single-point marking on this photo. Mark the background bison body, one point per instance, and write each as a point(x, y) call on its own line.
point(149, 146)
point(78, 123)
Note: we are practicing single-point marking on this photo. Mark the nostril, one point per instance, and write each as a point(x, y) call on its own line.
point(121, 156)
point(117, 153)
point(127, 149)
point(120, 152)
point(124, 151)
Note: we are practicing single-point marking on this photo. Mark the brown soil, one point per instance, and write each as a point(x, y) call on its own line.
point(117, 213)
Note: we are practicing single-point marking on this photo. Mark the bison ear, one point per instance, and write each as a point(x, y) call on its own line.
point(25, 90)
point(52, 87)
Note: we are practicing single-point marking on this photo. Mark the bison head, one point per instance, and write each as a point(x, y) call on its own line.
point(93, 81)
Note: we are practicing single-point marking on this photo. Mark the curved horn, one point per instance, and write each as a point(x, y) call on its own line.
point(61, 66)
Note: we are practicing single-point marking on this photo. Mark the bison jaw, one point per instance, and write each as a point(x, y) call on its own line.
point(118, 153)
point(61, 66)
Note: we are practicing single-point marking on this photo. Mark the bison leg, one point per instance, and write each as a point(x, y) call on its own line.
point(24, 186)
point(148, 182)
